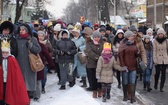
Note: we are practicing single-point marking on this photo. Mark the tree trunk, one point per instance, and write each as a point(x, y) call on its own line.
point(19, 9)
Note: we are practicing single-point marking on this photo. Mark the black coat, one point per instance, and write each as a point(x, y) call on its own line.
point(65, 46)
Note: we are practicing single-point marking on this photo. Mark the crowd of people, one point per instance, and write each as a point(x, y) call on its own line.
point(94, 54)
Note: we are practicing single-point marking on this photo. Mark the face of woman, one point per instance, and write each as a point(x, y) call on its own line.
point(160, 35)
point(41, 37)
point(23, 31)
point(96, 39)
point(5, 31)
point(135, 33)
point(131, 38)
point(107, 52)
point(120, 35)
point(149, 33)
point(147, 40)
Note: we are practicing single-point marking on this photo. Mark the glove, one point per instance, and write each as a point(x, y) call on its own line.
point(61, 53)
point(124, 69)
point(97, 77)
point(69, 53)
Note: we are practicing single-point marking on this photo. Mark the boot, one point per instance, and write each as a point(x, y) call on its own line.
point(148, 87)
point(99, 93)
point(84, 83)
point(144, 85)
point(71, 84)
point(129, 91)
point(94, 94)
point(104, 97)
point(62, 87)
point(108, 94)
point(132, 88)
point(43, 90)
point(125, 92)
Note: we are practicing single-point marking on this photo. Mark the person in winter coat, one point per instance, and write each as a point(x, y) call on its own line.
point(94, 49)
point(57, 36)
point(66, 49)
point(117, 39)
point(149, 54)
point(127, 54)
point(41, 75)
point(6, 30)
point(109, 34)
point(160, 57)
point(12, 86)
point(87, 32)
point(79, 68)
point(42, 39)
point(149, 32)
point(105, 37)
point(26, 42)
point(104, 72)
point(141, 51)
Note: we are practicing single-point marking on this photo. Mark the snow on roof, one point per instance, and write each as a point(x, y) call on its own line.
point(118, 20)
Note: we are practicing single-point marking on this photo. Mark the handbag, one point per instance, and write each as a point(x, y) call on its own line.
point(82, 57)
point(36, 63)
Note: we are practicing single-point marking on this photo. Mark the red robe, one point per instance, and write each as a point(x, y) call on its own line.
point(16, 93)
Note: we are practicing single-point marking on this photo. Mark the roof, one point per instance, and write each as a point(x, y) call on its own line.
point(118, 20)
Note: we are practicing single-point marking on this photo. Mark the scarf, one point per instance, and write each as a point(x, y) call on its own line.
point(106, 57)
point(6, 36)
point(161, 40)
point(24, 35)
point(95, 42)
point(129, 42)
point(43, 42)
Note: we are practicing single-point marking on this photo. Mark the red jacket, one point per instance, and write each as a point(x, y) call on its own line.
point(16, 93)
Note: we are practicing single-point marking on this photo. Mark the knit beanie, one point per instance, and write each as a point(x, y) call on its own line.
point(133, 28)
point(96, 34)
point(109, 28)
point(24, 27)
point(57, 27)
point(161, 31)
point(128, 34)
point(102, 29)
point(149, 30)
point(42, 32)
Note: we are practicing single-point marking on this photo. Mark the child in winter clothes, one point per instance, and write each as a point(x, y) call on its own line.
point(104, 72)
point(149, 54)
point(12, 86)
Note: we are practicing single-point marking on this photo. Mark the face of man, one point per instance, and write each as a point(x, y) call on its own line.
point(5, 31)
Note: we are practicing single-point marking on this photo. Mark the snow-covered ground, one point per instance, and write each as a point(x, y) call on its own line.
point(79, 96)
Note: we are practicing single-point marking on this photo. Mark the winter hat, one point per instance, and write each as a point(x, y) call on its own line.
point(57, 27)
point(161, 31)
point(119, 31)
point(109, 28)
point(141, 30)
point(149, 30)
point(70, 27)
point(146, 37)
point(96, 34)
point(65, 31)
point(102, 29)
point(76, 30)
point(128, 34)
point(133, 28)
point(5, 25)
point(42, 32)
point(24, 28)
point(119, 27)
point(96, 25)
point(88, 31)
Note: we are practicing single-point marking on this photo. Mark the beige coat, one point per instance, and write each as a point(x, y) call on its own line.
point(105, 71)
point(160, 54)
point(141, 48)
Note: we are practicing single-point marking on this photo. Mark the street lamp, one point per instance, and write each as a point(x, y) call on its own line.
point(131, 18)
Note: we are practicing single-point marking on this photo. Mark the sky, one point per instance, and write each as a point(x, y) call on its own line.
point(57, 6)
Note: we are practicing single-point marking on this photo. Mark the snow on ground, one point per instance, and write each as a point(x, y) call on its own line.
point(77, 95)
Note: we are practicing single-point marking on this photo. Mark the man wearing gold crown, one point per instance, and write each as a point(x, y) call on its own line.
point(6, 31)
point(12, 87)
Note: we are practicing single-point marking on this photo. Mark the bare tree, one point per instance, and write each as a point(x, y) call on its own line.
point(128, 6)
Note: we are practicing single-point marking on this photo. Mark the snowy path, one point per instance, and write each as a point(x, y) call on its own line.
point(77, 95)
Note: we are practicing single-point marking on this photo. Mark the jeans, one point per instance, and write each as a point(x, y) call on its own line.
point(146, 75)
point(45, 76)
point(129, 77)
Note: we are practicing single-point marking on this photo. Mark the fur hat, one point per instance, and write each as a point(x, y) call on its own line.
point(96, 34)
point(128, 34)
point(5, 25)
point(57, 27)
point(161, 31)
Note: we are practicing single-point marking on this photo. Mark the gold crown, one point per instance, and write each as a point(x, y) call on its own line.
point(36, 22)
point(5, 45)
point(107, 45)
point(49, 24)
